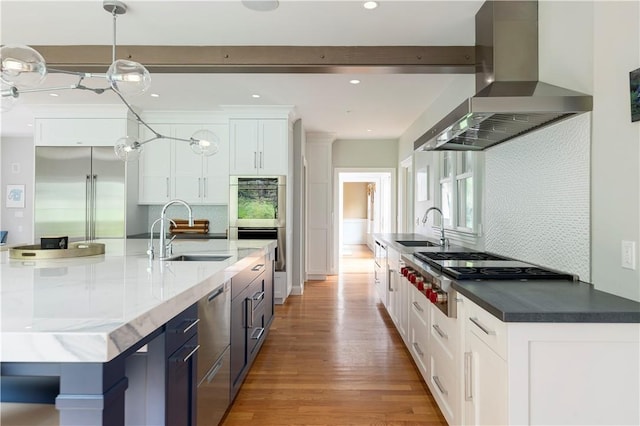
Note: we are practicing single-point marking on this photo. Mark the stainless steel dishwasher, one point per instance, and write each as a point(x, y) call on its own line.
point(214, 329)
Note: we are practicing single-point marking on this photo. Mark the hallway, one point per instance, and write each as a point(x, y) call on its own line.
point(333, 357)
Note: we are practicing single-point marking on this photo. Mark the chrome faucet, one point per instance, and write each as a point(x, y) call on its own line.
point(443, 240)
point(150, 250)
point(163, 233)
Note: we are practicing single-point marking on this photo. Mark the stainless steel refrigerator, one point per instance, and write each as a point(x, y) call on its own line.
point(80, 193)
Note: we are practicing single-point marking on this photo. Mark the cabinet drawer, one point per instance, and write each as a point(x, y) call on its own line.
point(418, 342)
point(444, 332)
point(487, 328)
point(243, 279)
point(418, 301)
point(181, 328)
point(442, 382)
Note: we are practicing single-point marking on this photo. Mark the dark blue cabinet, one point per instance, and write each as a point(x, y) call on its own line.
point(181, 347)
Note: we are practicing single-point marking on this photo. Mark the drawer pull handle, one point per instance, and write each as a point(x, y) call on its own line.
point(438, 330)
point(258, 296)
point(418, 307)
point(257, 333)
point(257, 267)
point(215, 294)
point(417, 348)
point(482, 327)
point(468, 388)
point(191, 353)
point(214, 371)
point(189, 327)
point(441, 388)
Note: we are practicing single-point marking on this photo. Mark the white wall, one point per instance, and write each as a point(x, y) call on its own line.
point(615, 147)
point(17, 157)
point(365, 153)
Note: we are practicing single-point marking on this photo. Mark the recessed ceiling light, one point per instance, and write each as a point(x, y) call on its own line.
point(255, 95)
point(55, 95)
point(354, 81)
point(261, 5)
point(368, 130)
point(370, 5)
point(29, 124)
point(155, 95)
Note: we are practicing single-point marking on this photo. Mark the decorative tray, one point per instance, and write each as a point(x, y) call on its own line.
point(75, 250)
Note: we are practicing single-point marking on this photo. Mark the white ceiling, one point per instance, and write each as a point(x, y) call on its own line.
point(381, 106)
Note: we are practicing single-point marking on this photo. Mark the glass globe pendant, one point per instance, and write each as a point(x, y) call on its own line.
point(127, 149)
point(22, 66)
point(205, 142)
point(128, 78)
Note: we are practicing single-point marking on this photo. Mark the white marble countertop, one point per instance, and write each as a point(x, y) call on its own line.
point(91, 309)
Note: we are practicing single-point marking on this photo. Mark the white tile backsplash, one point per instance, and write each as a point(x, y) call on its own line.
point(537, 197)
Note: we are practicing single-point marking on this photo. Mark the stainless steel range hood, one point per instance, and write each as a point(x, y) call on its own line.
point(510, 101)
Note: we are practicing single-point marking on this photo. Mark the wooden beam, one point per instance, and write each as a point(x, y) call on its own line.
point(269, 59)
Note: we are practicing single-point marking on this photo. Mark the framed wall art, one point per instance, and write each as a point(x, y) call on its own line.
point(634, 91)
point(15, 196)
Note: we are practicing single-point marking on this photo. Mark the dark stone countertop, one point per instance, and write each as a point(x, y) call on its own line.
point(549, 301)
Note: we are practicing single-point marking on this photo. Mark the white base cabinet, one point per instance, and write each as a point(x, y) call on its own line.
point(549, 373)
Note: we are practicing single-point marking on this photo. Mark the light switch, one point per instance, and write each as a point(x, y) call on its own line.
point(629, 255)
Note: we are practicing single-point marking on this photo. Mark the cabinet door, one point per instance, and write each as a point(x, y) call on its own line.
point(215, 176)
point(273, 148)
point(155, 168)
point(187, 165)
point(485, 384)
point(243, 140)
point(80, 131)
point(238, 337)
point(181, 385)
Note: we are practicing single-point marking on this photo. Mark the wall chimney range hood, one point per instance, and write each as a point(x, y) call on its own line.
point(510, 101)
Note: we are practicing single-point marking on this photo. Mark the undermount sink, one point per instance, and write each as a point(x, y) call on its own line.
point(198, 258)
point(414, 243)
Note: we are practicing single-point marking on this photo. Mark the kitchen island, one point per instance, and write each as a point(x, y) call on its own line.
point(80, 319)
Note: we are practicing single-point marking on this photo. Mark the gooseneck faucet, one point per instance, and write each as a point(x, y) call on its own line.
point(163, 236)
point(443, 240)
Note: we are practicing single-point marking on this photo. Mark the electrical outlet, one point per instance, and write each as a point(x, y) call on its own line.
point(629, 255)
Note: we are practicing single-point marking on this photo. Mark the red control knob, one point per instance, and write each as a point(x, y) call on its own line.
point(433, 297)
point(428, 293)
point(403, 271)
point(412, 278)
point(420, 283)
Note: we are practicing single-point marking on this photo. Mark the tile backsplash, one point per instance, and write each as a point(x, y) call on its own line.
point(537, 197)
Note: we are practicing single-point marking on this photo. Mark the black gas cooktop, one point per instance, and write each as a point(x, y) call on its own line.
point(487, 266)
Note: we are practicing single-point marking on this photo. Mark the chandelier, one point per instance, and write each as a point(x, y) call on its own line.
point(24, 70)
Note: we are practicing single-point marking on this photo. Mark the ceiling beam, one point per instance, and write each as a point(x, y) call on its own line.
point(269, 59)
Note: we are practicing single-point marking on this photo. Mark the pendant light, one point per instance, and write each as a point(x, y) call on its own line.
point(23, 70)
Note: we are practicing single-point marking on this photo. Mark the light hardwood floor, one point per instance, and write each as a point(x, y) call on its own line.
point(333, 357)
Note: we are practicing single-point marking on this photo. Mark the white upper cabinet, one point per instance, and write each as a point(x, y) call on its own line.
point(79, 131)
point(155, 167)
point(170, 169)
point(258, 147)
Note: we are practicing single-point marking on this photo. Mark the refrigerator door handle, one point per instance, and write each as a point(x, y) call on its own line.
point(94, 197)
point(87, 221)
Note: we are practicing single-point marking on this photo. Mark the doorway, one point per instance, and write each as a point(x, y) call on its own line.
point(364, 204)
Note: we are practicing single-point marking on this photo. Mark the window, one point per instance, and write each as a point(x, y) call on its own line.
point(459, 195)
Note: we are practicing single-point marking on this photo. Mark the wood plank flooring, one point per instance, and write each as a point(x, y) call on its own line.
point(333, 357)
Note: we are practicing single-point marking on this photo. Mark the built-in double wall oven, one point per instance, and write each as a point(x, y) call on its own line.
point(257, 210)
